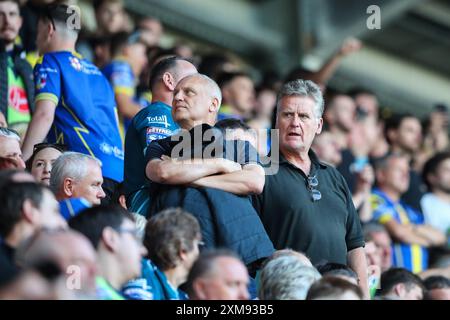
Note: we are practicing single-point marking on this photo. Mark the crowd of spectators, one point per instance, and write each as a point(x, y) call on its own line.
point(134, 171)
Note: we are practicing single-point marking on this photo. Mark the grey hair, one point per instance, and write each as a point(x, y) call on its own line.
point(69, 164)
point(8, 133)
point(286, 278)
point(303, 88)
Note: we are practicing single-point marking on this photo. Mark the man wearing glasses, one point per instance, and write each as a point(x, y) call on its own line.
point(112, 231)
point(307, 205)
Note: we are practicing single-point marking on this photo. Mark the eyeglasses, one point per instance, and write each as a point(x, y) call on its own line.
point(313, 182)
point(133, 232)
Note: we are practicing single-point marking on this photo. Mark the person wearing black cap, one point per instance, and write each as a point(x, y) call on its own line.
point(74, 101)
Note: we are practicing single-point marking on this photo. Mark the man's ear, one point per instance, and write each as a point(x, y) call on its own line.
point(199, 288)
point(214, 107)
point(109, 239)
point(169, 81)
point(29, 212)
point(68, 187)
point(400, 290)
point(319, 126)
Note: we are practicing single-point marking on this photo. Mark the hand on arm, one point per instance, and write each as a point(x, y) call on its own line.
point(39, 126)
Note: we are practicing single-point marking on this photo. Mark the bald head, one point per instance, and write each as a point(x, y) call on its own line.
point(63, 247)
point(196, 100)
point(68, 249)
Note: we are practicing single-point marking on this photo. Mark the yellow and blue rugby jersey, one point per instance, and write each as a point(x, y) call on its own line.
point(409, 256)
point(123, 81)
point(86, 115)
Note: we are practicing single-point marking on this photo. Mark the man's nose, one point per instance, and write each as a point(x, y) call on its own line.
point(21, 163)
point(102, 193)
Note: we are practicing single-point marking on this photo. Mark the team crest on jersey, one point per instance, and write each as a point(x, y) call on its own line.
point(42, 81)
point(75, 63)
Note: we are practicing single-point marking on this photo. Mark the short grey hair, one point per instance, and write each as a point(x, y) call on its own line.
point(302, 88)
point(8, 133)
point(286, 278)
point(69, 164)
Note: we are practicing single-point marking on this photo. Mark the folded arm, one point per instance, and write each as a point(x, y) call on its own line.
point(169, 171)
point(250, 180)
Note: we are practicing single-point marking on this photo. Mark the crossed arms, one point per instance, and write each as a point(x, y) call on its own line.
point(213, 173)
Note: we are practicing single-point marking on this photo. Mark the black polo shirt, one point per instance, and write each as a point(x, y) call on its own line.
point(325, 229)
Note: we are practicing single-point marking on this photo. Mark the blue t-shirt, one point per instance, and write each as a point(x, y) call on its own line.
point(86, 115)
point(151, 123)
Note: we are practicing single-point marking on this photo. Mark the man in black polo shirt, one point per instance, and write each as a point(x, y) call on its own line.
point(307, 205)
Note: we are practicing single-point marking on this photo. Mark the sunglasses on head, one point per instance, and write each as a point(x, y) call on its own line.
point(58, 146)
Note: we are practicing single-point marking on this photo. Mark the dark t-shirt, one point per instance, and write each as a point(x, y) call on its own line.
point(325, 229)
point(210, 146)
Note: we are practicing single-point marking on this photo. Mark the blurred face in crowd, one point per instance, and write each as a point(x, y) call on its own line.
point(42, 164)
point(192, 103)
point(342, 112)
point(10, 148)
point(240, 94)
point(439, 294)
point(440, 180)
point(78, 251)
point(137, 55)
point(372, 254)
point(10, 21)
point(151, 30)
point(48, 213)
point(327, 148)
point(110, 17)
point(129, 250)
point(90, 186)
point(368, 103)
point(228, 281)
point(395, 176)
point(409, 135)
point(29, 285)
point(382, 243)
point(297, 123)
point(265, 103)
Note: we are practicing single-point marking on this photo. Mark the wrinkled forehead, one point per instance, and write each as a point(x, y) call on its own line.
point(297, 103)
